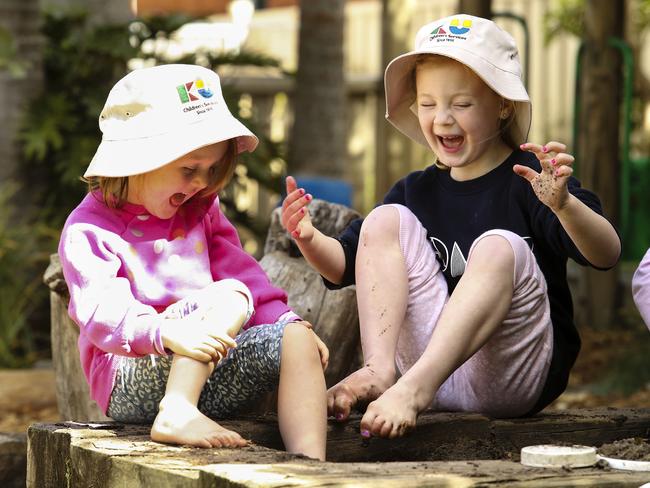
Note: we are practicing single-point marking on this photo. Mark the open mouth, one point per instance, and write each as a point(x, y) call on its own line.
point(451, 142)
point(177, 199)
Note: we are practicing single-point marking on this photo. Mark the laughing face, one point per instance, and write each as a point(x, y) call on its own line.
point(165, 189)
point(459, 116)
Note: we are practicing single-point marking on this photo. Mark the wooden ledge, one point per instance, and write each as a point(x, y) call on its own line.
point(445, 450)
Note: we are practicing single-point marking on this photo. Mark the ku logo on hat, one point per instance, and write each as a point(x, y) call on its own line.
point(191, 91)
point(455, 29)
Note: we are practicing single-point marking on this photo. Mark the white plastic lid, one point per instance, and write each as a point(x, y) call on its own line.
point(627, 464)
point(551, 456)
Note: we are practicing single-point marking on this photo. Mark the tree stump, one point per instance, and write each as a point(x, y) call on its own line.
point(332, 313)
point(72, 392)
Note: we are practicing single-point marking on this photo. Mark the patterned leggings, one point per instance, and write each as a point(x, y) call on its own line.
point(248, 372)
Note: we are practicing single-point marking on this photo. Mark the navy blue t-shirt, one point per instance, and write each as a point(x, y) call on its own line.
point(455, 213)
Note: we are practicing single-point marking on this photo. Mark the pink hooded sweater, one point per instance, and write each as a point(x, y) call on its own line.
point(124, 266)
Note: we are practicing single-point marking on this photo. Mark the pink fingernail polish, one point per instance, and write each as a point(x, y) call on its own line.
point(553, 162)
point(365, 433)
point(302, 191)
point(309, 197)
point(295, 233)
point(339, 416)
point(544, 149)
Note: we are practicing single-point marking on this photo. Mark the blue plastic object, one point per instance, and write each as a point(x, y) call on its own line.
point(330, 189)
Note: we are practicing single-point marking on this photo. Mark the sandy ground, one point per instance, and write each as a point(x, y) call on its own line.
point(27, 396)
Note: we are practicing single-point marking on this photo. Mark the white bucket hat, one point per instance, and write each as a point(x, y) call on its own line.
point(479, 44)
point(155, 115)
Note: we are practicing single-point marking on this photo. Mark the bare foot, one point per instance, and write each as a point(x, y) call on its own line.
point(362, 386)
point(180, 422)
point(394, 413)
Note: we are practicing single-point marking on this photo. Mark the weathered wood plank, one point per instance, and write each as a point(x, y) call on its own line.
point(123, 456)
point(72, 392)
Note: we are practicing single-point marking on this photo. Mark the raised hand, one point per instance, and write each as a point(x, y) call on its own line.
point(295, 215)
point(550, 185)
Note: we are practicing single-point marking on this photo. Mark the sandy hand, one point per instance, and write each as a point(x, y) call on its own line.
point(550, 185)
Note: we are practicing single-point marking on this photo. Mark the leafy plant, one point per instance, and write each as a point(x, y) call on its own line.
point(82, 62)
point(23, 255)
point(8, 57)
point(568, 18)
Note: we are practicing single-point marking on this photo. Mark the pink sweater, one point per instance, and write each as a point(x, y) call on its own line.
point(124, 266)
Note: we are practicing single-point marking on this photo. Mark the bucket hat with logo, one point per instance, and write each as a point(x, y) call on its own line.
point(155, 115)
point(477, 43)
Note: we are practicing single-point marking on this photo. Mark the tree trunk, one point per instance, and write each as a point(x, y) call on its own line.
point(21, 19)
point(395, 150)
point(598, 142)
point(480, 8)
point(318, 137)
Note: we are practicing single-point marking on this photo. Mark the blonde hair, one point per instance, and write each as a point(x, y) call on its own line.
point(507, 125)
point(115, 189)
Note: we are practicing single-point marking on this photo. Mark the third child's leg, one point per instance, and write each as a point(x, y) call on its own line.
point(302, 413)
point(382, 289)
point(473, 313)
point(179, 421)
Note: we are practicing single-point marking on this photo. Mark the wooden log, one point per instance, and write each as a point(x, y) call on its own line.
point(445, 450)
point(72, 392)
point(329, 218)
point(13, 460)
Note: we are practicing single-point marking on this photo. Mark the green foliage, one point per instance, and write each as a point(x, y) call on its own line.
point(59, 132)
point(568, 18)
point(23, 256)
point(8, 58)
point(82, 62)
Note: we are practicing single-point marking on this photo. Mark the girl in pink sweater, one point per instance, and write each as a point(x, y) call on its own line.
point(178, 324)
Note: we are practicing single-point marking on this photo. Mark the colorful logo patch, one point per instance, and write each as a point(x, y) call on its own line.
point(455, 31)
point(194, 90)
point(455, 28)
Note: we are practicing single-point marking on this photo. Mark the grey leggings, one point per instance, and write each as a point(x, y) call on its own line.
point(248, 372)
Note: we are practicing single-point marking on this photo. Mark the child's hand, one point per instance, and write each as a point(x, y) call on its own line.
point(550, 185)
point(295, 215)
point(196, 338)
point(323, 351)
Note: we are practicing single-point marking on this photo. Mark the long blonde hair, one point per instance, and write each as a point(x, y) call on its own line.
point(115, 189)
